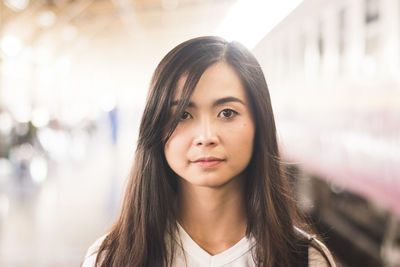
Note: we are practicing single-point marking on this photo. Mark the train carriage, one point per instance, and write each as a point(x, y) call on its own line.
point(333, 68)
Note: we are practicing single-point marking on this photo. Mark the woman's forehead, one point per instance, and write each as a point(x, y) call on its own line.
point(218, 80)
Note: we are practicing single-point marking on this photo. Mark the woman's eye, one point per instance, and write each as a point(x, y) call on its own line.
point(186, 115)
point(228, 113)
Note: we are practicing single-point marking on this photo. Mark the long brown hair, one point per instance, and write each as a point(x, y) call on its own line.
point(147, 216)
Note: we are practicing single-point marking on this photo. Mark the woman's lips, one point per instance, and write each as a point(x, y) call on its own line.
point(208, 162)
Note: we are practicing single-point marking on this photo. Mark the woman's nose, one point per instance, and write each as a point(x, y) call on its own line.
point(206, 133)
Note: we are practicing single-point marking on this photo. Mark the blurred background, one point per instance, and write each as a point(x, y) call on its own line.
point(74, 76)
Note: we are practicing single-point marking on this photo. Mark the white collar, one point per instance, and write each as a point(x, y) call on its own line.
point(225, 257)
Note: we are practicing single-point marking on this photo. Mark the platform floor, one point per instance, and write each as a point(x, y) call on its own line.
point(54, 224)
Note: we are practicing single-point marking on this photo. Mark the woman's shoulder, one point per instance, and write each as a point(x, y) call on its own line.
point(316, 258)
point(319, 254)
point(91, 254)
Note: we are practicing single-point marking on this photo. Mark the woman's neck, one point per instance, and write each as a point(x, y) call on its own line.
point(215, 218)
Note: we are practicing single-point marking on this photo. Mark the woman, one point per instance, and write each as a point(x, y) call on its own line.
point(207, 187)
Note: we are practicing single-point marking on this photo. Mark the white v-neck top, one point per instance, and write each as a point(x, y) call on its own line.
point(189, 253)
point(238, 255)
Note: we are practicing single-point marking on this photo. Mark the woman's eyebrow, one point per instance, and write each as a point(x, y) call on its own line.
point(175, 103)
point(217, 102)
point(226, 100)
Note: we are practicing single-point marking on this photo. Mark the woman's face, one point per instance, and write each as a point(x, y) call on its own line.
point(213, 142)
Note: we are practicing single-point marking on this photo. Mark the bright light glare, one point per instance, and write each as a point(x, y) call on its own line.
point(369, 66)
point(249, 21)
point(22, 114)
point(11, 45)
point(63, 65)
point(6, 123)
point(108, 102)
point(40, 117)
point(38, 169)
point(55, 142)
point(17, 5)
point(46, 19)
